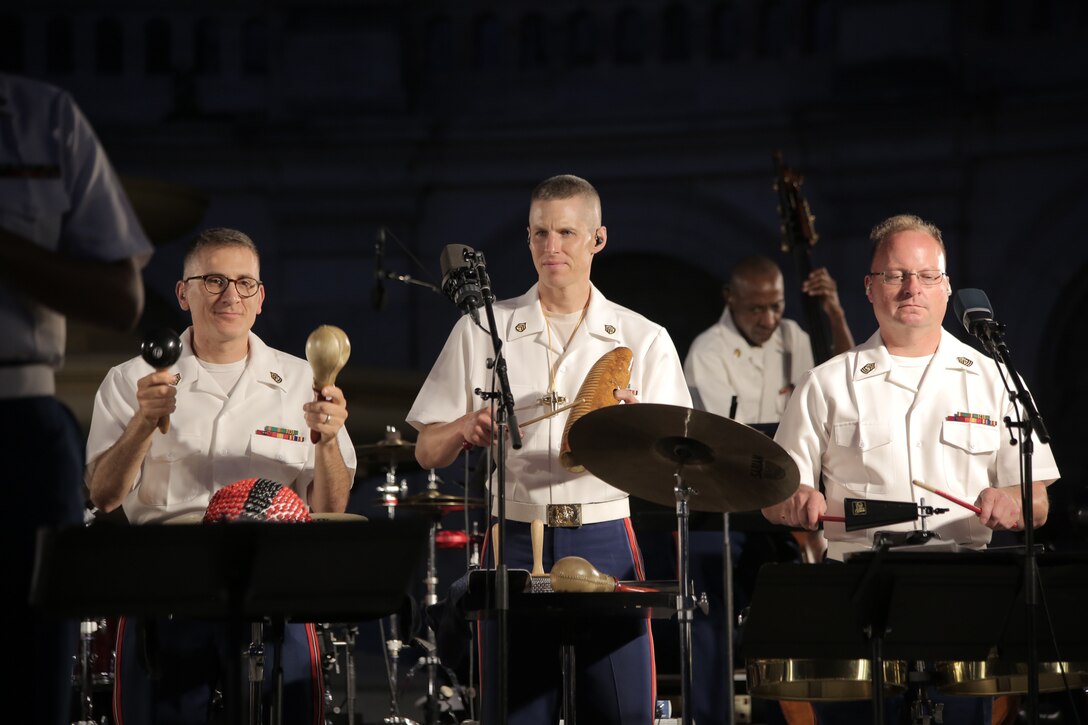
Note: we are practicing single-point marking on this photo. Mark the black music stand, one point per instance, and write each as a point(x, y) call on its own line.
point(238, 571)
point(572, 611)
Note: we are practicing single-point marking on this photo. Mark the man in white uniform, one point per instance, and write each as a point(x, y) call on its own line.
point(910, 403)
point(744, 368)
point(552, 335)
point(237, 409)
point(70, 245)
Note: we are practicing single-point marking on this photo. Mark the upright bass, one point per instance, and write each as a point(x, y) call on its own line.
point(798, 238)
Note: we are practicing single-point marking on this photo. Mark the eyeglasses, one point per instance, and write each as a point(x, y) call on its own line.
point(216, 284)
point(928, 277)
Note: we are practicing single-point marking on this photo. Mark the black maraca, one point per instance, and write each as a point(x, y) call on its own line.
point(160, 349)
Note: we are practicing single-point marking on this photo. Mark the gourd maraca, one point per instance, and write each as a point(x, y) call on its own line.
point(327, 350)
point(161, 349)
point(575, 574)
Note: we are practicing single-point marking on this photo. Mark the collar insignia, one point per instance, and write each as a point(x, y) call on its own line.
point(276, 378)
point(520, 327)
point(965, 361)
point(610, 330)
point(177, 379)
point(868, 368)
point(736, 352)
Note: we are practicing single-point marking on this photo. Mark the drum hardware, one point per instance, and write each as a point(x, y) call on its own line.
point(821, 680)
point(693, 459)
point(331, 662)
point(392, 452)
point(986, 678)
point(95, 660)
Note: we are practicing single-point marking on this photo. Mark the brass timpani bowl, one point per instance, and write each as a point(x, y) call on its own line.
point(821, 680)
point(995, 677)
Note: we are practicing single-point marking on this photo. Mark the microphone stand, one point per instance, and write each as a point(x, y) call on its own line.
point(506, 420)
point(408, 279)
point(992, 336)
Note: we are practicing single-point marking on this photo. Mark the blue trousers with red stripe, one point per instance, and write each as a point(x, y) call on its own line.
point(614, 666)
point(167, 670)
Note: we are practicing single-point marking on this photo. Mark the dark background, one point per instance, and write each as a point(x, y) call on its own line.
point(313, 125)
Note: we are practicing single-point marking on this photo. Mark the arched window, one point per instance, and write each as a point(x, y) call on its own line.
point(206, 47)
point(255, 46)
point(60, 54)
point(486, 42)
point(675, 41)
point(158, 45)
point(819, 27)
point(532, 41)
point(438, 44)
point(109, 46)
point(630, 36)
point(11, 42)
point(725, 32)
point(582, 37)
point(771, 29)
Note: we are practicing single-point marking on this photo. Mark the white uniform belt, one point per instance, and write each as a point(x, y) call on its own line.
point(592, 513)
point(26, 381)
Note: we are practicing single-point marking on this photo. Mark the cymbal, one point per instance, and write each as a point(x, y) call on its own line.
point(638, 448)
point(429, 500)
point(401, 454)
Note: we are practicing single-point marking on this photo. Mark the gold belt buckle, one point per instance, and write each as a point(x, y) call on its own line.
point(564, 515)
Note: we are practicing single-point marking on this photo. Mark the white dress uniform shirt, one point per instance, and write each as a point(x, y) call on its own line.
point(534, 475)
point(215, 439)
point(58, 190)
point(721, 364)
point(861, 419)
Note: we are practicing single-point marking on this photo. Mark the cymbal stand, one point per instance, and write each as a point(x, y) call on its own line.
point(684, 609)
point(393, 646)
point(430, 599)
point(255, 671)
point(87, 629)
point(392, 491)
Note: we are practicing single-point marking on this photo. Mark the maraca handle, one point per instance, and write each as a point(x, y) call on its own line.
point(164, 424)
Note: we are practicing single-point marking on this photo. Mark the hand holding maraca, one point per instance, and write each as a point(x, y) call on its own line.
point(327, 350)
point(160, 349)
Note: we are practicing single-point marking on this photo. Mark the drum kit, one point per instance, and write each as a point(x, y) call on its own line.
point(391, 454)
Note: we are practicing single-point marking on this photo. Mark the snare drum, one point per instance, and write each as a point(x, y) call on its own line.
point(996, 677)
point(821, 680)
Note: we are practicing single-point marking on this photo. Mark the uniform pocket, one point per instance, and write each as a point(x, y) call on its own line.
point(277, 459)
point(857, 445)
point(175, 472)
point(969, 449)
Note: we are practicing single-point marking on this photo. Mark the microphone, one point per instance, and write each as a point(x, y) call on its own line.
point(973, 309)
point(461, 278)
point(377, 296)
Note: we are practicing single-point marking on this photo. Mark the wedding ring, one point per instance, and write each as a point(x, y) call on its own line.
point(328, 417)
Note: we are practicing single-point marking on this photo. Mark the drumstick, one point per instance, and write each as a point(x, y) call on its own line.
point(950, 497)
point(536, 531)
point(832, 519)
point(557, 411)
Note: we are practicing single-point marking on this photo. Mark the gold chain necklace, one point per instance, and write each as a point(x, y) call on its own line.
point(553, 398)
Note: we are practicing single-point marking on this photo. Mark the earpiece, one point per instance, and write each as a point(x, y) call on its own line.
point(599, 240)
point(867, 288)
